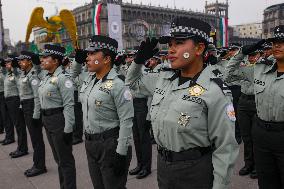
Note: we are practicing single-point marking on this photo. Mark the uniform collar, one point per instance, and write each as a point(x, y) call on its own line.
point(110, 75)
point(202, 80)
point(271, 68)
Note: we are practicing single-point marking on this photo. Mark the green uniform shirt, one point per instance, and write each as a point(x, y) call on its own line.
point(11, 84)
point(28, 89)
point(57, 91)
point(186, 117)
point(108, 104)
point(242, 72)
point(269, 92)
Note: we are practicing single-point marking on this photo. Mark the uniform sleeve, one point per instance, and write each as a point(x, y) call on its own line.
point(34, 82)
point(124, 104)
point(76, 69)
point(66, 88)
point(143, 84)
point(233, 71)
point(221, 130)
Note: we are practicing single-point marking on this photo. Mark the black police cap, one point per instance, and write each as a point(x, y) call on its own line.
point(186, 28)
point(99, 42)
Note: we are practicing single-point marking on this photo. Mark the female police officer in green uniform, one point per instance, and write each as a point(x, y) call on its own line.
point(268, 132)
point(192, 113)
point(107, 114)
point(56, 94)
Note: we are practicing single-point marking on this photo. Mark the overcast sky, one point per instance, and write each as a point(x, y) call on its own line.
point(16, 13)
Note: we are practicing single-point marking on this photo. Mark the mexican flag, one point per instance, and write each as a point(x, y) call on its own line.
point(96, 19)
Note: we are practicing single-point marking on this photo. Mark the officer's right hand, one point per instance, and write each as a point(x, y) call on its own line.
point(120, 59)
point(36, 122)
point(15, 63)
point(80, 56)
point(36, 59)
point(147, 49)
point(119, 164)
point(247, 49)
point(2, 62)
point(65, 61)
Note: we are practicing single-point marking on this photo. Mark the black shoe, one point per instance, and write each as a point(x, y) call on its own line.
point(136, 170)
point(245, 171)
point(143, 173)
point(77, 141)
point(253, 174)
point(6, 142)
point(34, 172)
point(11, 153)
point(18, 154)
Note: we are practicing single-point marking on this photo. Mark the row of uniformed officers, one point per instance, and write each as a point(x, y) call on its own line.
point(192, 112)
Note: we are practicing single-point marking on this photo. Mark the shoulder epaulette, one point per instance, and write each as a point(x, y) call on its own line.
point(224, 87)
point(217, 73)
point(122, 77)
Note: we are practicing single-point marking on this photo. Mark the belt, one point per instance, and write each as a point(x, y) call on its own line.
point(140, 100)
point(248, 97)
point(12, 98)
point(190, 154)
point(269, 125)
point(27, 101)
point(51, 111)
point(104, 135)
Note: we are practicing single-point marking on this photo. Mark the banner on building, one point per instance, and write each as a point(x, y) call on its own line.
point(224, 32)
point(114, 23)
point(96, 19)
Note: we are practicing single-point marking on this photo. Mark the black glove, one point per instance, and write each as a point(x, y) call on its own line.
point(2, 62)
point(146, 50)
point(68, 137)
point(119, 164)
point(247, 49)
point(120, 60)
point(80, 56)
point(65, 61)
point(15, 63)
point(36, 122)
point(35, 59)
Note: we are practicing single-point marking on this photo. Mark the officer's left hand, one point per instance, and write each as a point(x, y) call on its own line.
point(36, 122)
point(119, 164)
point(67, 137)
point(247, 49)
point(15, 63)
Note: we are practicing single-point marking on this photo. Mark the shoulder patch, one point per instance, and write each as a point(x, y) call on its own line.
point(68, 84)
point(34, 82)
point(222, 85)
point(122, 77)
point(217, 73)
point(231, 112)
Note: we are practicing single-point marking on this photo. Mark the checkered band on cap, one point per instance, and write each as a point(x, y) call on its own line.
point(102, 45)
point(191, 31)
point(24, 57)
point(279, 35)
point(48, 51)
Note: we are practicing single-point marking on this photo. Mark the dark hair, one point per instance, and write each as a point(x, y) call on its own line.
point(111, 54)
point(197, 39)
point(59, 58)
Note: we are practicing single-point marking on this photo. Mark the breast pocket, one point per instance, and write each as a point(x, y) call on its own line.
point(155, 105)
point(259, 93)
point(188, 117)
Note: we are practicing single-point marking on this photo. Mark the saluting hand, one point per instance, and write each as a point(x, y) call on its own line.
point(80, 56)
point(146, 50)
point(247, 49)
